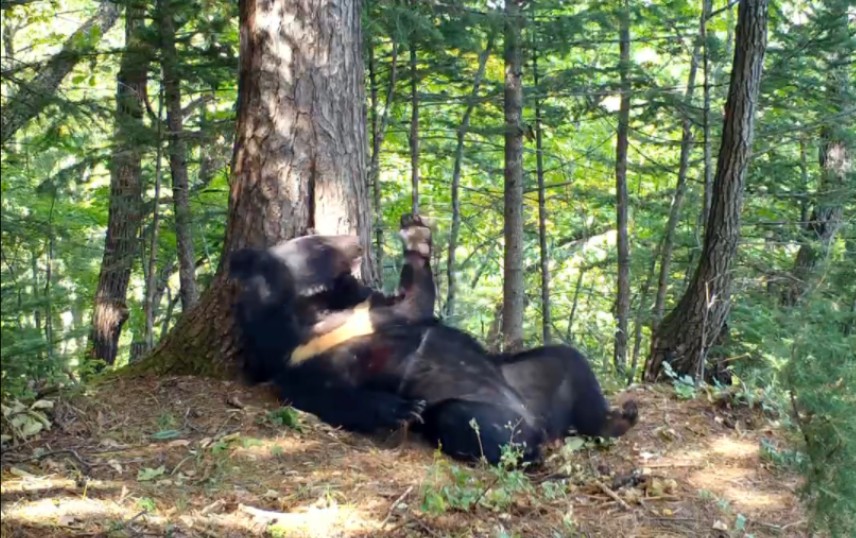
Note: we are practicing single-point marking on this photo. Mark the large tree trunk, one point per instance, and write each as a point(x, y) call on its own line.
point(177, 156)
point(299, 160)
point(38, 93)
point(687, 333)
point(513, 283)
point(125, 212)
point(622, 301)
point(546, 318)
point(455, 228)
point(836, 161)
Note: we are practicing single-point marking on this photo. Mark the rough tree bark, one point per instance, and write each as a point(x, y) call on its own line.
point(38, 93)
point(455, 228)
point(686, 334)
point(125, 210)
point(177, 155)
point(299, 158)
point(513, 283)
point(835, 159)
point(681, 184)
point(622, 301)
point(546, 320)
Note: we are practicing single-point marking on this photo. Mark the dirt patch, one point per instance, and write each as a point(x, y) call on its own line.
point(194, 457)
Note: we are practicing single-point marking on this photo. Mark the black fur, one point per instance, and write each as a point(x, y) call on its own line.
point(556, 382)
point(560, 388)
point(384, 379)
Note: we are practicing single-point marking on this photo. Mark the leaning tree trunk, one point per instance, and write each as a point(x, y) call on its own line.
point(513, 283)
point(36, 94)
point(686, 334)
point(455, 228)
point(125, 210)
point(681, 184)
point(299, 159)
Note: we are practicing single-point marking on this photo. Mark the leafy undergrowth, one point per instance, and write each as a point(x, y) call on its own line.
point(196, 457)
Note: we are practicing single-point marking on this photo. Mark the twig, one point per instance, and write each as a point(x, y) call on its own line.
point(614, 496)
point(393, 505)
point(73, 453)
point(267, 515)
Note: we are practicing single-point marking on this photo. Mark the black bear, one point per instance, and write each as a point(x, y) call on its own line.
point(555, 382)
point(387, 377)
point(280, 289)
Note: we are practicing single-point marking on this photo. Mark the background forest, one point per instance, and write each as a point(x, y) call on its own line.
point(122, 116)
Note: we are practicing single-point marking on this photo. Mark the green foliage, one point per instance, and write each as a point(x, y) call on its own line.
point(821, 375)
point(454, 487)
point(56, 177)
point(284, 416)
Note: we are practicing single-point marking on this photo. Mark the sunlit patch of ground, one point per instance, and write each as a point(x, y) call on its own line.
point(194, 457)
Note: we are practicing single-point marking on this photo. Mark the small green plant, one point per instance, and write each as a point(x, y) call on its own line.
point(453, 487)
point(166, 421)
point(147, 474)
point(248, 442)
point(147, 504)
point(684, 385)
point(284, 416)
point(785, 458)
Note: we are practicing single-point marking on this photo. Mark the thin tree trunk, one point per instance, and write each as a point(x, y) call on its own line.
point(686, 334)
point(623, 299)
point(151, 279)
point(640, 314)
point(570, 332)
point(546, 321)
point(513, 283)
point(680, 186)
point(177, 155)
point(299, 160)
point(378, 134)
point(49, 326)
point(125, 211)
point(35, 95)
point(414, 130)
point(455, 228)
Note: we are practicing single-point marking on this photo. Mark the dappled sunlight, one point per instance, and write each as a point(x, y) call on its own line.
point(65, 511)
point(39, 484)
point(740, 486)
point(227, 470)
point(735, 448)
point(260, 449)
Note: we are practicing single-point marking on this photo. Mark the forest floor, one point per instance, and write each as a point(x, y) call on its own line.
point(198, 457)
